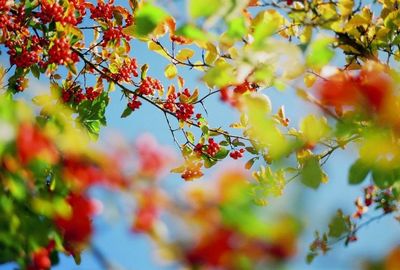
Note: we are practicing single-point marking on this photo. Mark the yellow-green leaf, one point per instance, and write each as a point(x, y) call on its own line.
point(311, 174)
point(319, 53)
point(314, 128)
point(147, 18)
point(156, 48)
point(203, 8)
point(170, 71)
point(184, 54)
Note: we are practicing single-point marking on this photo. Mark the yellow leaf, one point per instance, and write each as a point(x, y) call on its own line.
point(314, 128)
point(233, 52)
point(305, 37)
point(157, 48)
point(345, 7)
point(184, 54)
point(170, 71)
point(211, 54)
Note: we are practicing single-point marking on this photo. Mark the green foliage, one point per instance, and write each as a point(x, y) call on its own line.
point(358, 172)
point(311, 173)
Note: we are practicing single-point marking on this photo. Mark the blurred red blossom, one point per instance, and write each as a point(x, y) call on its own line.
point(77, 228)
point(153, 158)
point(32, 143)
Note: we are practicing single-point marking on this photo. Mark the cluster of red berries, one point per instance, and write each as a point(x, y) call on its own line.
point(13, 23)
point(134, 103)
point(184, 111)
point(60, 53)
point(50, 12)
point(24, 59)
point(5, 5)
point(236, 154)
point(198, 149)
point(128, 69)
point(149, 85)
point(55, 12)
point(212, 147)
point(25, 52)
point(80, 7)
point(76, 95)
point(114, 34)
point(192, 172)
point(102, 11)
point(185, 92)
point(170, 103)
point(91, 94)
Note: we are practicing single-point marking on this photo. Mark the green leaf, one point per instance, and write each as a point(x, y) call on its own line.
point(192, 32)
point(358, 172)
point(383, 178)
point(263, 127)
point(237, 28)
point(265, 24)
point(319, 52)
point(339, 225)
point(126, 112)
point(35, 71)
point(220, 75)
point(208, 162)
point(205, 130)
point(311, 174)
point(190, 136)
point(147, 18)
point(224, 143)
point(93, 127)
point(310, 257)
point(222, 153)
point(203, 8)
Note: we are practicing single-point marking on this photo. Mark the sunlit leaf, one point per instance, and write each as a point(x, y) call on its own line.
point(237, 28)
point(314, 128)
point(147, 18)
point(192, 32)
point(203, 8)
point(319, 52)
point(184, 54)
point(170, 71)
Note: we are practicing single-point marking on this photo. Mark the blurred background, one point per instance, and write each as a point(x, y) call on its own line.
point(118, 244)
